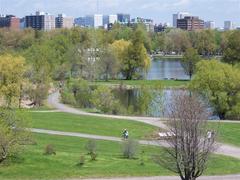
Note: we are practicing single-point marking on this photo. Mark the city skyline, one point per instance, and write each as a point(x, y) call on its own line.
point(158, 10)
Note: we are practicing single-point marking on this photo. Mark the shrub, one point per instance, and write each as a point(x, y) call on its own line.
point(142, 158)
point(67, 98)
point(49, 150)
point(81, 91)
point(103, 99)
point(93, 156)
point(129, 149)
point(81, 160)
point(91, 146)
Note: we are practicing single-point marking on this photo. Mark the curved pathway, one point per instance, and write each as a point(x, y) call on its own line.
point(53, 100)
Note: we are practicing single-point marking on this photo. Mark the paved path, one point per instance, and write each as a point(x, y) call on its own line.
point(229, 177)
point(223, 149)
point(53, 100)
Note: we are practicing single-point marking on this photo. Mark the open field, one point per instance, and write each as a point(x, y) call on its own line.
point(90, 124)
point(162, 83)
point(34, 165)
point(229, 133)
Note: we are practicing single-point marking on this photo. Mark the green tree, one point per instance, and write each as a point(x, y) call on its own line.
point(13, 133)
point(189, 61)
point(81, 92)
point(144, 100)
point(135, 58)
point(232, 51)
point(40, 71)
point(12, 70)
point(108, 66)
point(220, 84)
point(103, 99)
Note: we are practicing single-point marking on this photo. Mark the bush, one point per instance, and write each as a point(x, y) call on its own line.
point(49, 150)
point(81, 91)
point(91, 147)
point(81, 160)
point(103, 99)
point(93, 156)
point(67, 98)
point(129, 149)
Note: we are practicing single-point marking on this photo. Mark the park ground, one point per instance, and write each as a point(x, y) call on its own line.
point(110, 162)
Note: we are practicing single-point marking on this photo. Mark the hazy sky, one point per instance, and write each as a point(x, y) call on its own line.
point(159, 10)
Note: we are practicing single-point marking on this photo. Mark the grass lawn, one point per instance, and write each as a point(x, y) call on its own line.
point(163, 83)
point(229, 133)
point(34, 165)
point(90, 124)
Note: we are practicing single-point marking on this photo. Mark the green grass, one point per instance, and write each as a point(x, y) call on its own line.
point(34, 165)
point(229, 133)
point(90, 124)
point(163, 83)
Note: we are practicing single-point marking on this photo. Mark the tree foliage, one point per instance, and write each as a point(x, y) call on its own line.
point(12, 69)
point(13, 133)
point(189, 61)
point(220, 84)
point(232, 50)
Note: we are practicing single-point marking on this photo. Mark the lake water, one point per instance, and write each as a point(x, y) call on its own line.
point(157, 105)
point(166, 69)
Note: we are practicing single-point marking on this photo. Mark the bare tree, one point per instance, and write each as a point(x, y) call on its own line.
point(191, 141)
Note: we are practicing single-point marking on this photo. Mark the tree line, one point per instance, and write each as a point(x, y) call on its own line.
point(30, 60)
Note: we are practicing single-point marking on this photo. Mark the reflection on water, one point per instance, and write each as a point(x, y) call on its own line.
point(157, 105)
point(166, 69)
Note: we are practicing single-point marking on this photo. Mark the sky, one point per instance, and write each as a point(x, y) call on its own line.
point(158, 10)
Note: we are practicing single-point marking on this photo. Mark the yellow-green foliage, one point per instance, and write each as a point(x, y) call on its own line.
point(12, 70)
point(220, 83)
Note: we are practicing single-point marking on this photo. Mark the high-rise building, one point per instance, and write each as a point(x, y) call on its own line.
point(190, 23)
point(179, 15)
point(209, 25)
point(228, 25)
point(109, 20)
point(113, 19)
point(147, 22)
point(80, 21)
point(123, 18)
point(98, 20)
point(160, 27)
point(9, 21)
point(95, 20)
point(62, 21)
point(40, 21)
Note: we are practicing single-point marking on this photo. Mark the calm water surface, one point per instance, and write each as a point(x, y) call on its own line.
point(166, 69)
